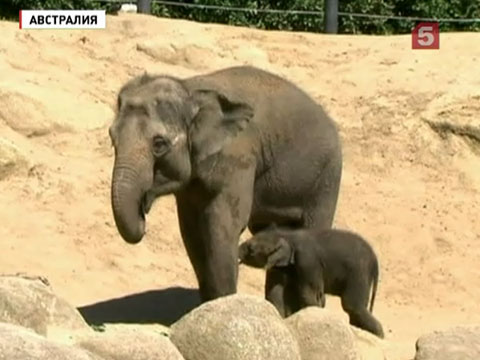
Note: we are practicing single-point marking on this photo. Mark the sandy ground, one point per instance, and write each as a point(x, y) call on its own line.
point(407, 119)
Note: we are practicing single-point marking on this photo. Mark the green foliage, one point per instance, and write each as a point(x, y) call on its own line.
point(291, 22)
point(315, 23)
point(252, 18)
point(361, 25)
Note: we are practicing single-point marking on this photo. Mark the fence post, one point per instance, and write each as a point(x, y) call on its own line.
point(331, 16)
point(144, 6)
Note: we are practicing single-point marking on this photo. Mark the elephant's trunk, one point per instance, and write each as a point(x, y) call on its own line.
point(127, 195)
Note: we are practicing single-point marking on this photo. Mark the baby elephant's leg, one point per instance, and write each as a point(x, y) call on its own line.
point(321, 299)
point(310, 286)
point(291, 298)
point(355, 301)
point(308, 295)
point(275, 284)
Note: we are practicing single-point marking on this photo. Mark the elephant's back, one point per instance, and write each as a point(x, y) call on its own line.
point(275, 99)
point(292, 127)
point(346, 247)
point(241, 83)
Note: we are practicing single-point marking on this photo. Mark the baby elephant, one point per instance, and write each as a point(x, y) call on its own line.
point(312, 263)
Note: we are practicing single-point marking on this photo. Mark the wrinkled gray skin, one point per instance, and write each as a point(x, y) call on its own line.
point(238, 147)
point(314, 263)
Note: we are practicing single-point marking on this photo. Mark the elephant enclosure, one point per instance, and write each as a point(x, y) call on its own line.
point(409, 121)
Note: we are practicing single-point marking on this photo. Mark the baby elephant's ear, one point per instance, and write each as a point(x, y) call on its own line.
point(282, 256)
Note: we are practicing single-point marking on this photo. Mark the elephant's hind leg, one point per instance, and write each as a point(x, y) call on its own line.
point(320, 212)
point(355, 302)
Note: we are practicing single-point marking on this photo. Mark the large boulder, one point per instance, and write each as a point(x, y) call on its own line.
point(457, 343)
point(155, 328)
point(30, 302)
point(370, 347)
point(322, 335)
point(130, 343)
point(19, 343)
point(235, 327)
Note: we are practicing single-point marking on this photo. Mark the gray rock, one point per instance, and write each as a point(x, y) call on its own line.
point(157, 329)
point(30, 302)
point(19, 343)
point(370, 347)
point(130, 344)
point(235, 327)
point(457, 343)
point(323, 336)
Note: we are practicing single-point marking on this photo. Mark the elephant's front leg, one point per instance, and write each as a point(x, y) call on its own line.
point(310, 281)
point(211, 229)
point(275, 286)
point(221, 227)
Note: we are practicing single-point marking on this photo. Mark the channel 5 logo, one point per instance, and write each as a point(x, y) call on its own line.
point(426, 35)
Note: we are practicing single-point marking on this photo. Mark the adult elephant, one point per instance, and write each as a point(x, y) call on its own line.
point(237, 147)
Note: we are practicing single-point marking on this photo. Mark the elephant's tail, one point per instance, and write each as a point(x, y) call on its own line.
point(375, 271)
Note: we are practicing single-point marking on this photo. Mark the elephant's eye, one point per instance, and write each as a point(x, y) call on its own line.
point(160, 146)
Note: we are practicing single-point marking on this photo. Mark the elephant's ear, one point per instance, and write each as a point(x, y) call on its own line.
point(282, 256)
point(217, 121)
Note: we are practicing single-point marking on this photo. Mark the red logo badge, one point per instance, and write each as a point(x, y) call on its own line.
point(426, 35)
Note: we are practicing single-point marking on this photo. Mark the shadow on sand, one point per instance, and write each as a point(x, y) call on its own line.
point(164, 306)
